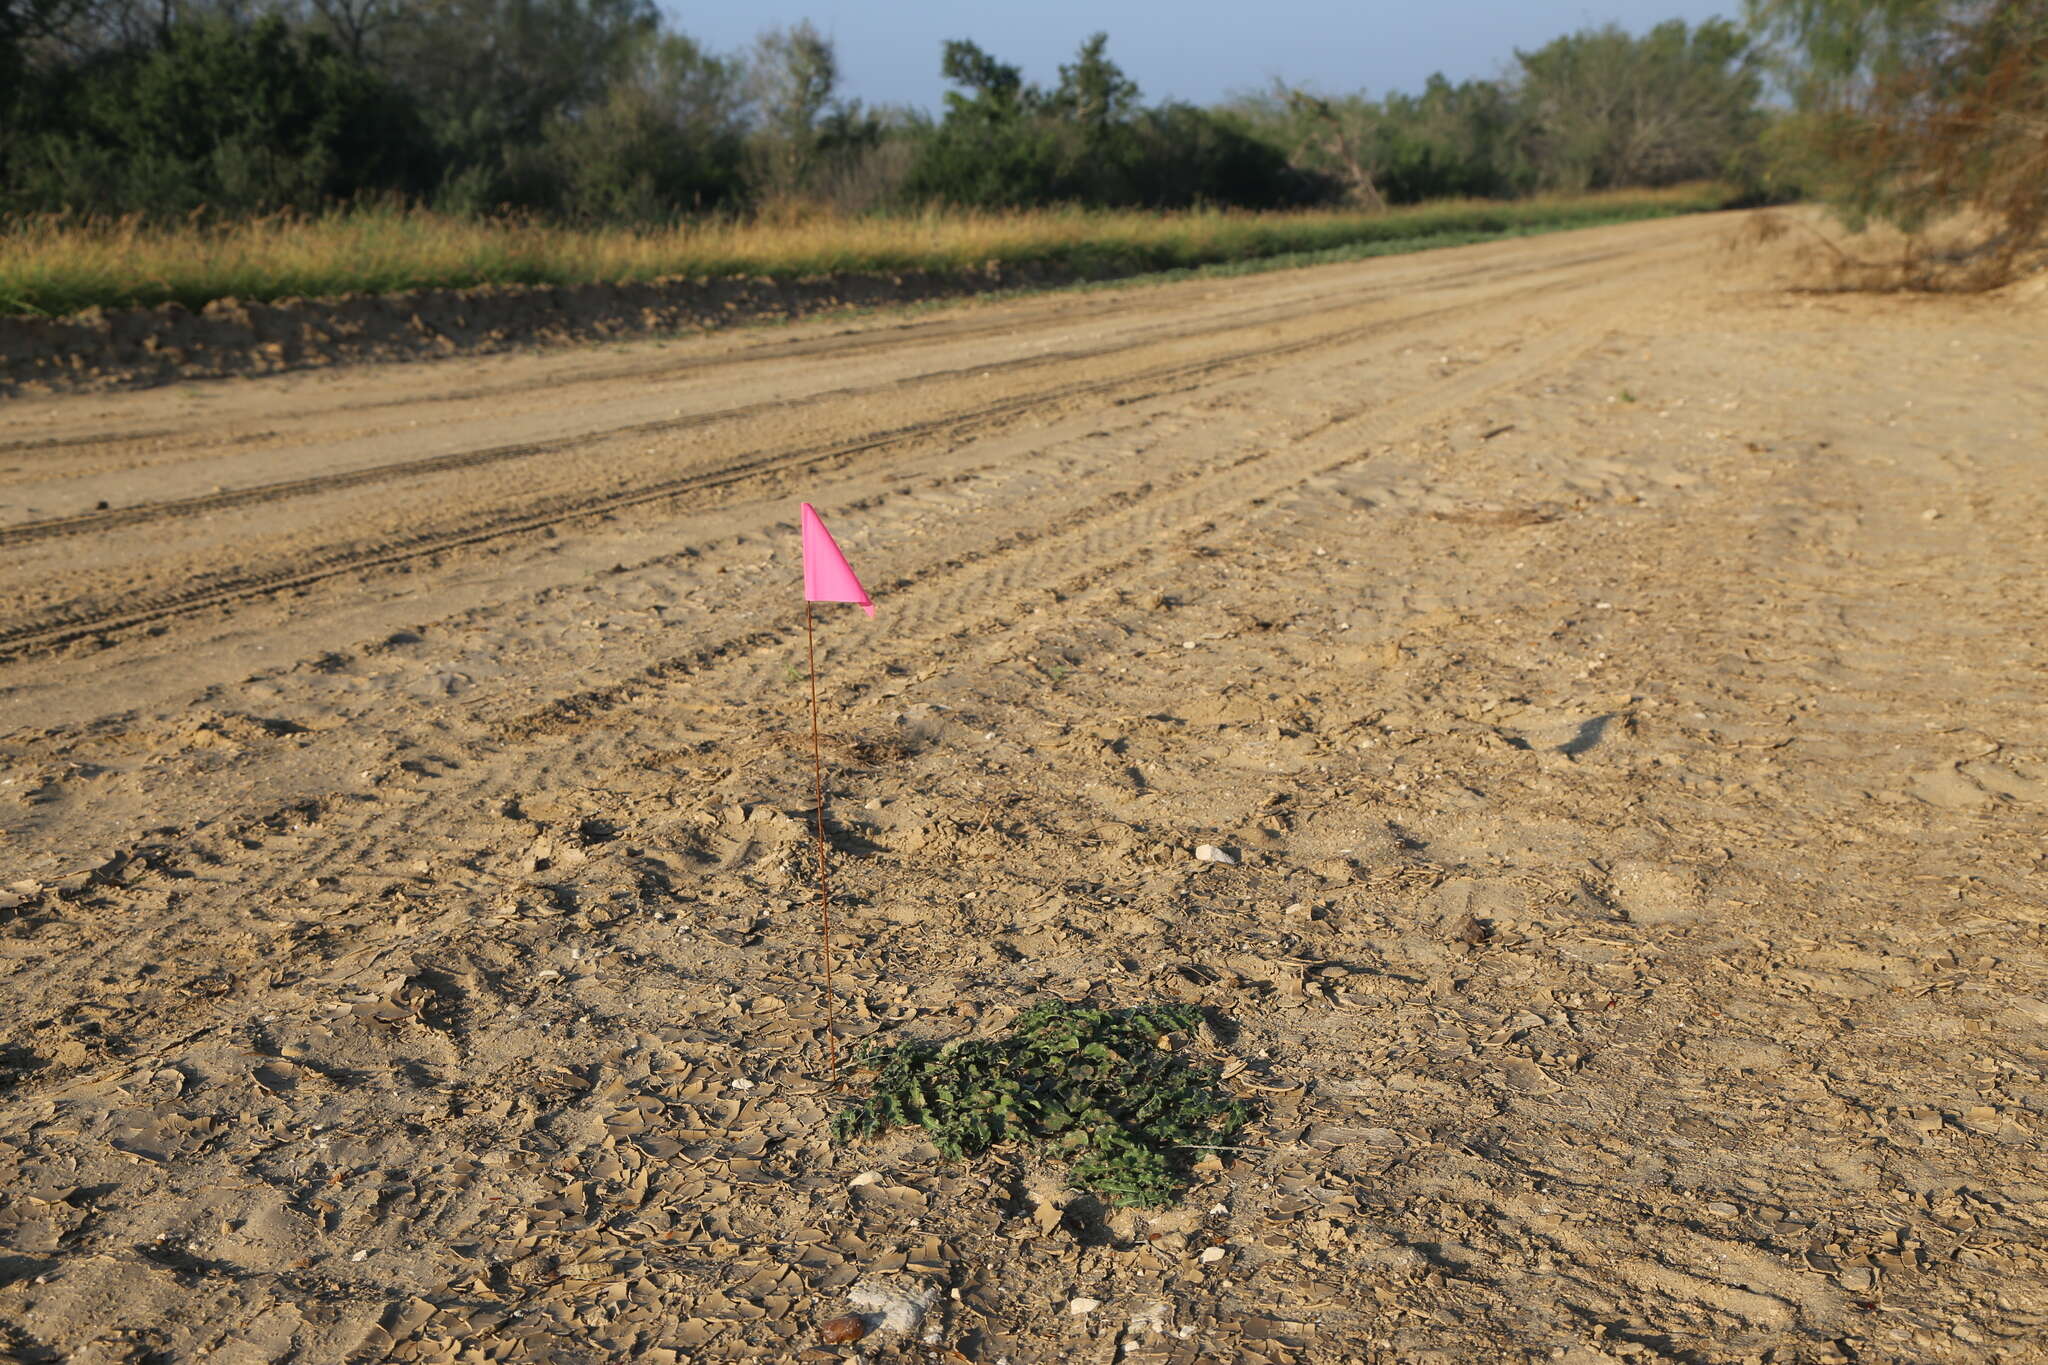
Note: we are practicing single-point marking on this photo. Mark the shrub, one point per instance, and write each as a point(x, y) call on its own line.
point(1915, 110)
point(239, 119)
point(1604, 109)
point(1096, 1087)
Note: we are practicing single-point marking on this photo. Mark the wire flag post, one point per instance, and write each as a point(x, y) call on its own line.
point(827, 578)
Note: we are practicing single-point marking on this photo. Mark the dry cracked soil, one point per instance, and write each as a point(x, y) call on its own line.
point(1618, 676)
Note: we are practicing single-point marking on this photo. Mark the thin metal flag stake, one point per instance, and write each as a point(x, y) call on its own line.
point(824, 886)
point(827, 578)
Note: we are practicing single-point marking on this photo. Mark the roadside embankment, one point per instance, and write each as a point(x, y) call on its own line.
point(109, 348)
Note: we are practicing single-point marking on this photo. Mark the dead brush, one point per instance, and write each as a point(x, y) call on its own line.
point(1932, 119)
point(1965, 253)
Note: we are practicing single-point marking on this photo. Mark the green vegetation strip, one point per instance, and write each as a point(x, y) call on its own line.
point(1104, 1090)
point(57, 266)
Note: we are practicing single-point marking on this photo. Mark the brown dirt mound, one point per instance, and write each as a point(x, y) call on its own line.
point(124, 348)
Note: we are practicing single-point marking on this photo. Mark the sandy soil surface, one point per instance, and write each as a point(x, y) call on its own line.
point(1619, 677)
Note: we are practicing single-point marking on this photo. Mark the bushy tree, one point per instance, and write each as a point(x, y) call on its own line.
point(1450, 141)
point(1006, 143)
point(492, 77)
point(1094, 94)
point(665, 138)
point(793, 78)
point(992, 150)
point(809, 147)
point(24, 26)
point(989, 89)
point(1910, 110)
point(1602, 108)
point(1186, 156)
point(359, 26)
point(237, 118)
point(1100, 154)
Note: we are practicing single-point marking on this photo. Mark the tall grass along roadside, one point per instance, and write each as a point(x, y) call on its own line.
point(56, 265)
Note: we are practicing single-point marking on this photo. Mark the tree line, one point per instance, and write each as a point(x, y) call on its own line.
point(602, 110)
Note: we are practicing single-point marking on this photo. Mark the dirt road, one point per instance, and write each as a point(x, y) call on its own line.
point(1619, 678)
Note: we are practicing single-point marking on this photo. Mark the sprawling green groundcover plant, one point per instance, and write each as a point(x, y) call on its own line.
point(1105, 1090)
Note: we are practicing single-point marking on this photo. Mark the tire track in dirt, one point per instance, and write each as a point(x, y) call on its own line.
point(113, 518)
point(202, 441)
point(91, 522)
point(1076, 558)
point(201, 435)
point(58, 629)
point(994, 581)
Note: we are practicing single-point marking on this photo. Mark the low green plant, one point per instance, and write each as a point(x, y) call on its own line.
point(1104, 1090)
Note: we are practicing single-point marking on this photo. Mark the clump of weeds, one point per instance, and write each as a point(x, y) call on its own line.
point(1112, 1092)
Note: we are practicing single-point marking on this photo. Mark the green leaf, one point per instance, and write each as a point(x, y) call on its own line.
point(1092, 1085)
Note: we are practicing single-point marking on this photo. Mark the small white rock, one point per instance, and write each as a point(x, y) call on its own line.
point(1153, 1319)
point(901, 1308)
point(1211, 1255)
point(1209, 853)
point(1083, 1307)
point(864, 1178)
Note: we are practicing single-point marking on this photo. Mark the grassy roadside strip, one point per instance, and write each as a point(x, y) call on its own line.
point(53, 266)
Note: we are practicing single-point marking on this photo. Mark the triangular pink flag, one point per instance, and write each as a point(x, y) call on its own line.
point(827, 575)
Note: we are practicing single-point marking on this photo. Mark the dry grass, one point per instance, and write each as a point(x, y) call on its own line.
point(57, 265)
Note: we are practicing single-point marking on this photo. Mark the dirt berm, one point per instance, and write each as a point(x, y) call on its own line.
point(119, 348)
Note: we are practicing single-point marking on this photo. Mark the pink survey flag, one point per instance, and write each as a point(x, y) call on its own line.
point(827, 575)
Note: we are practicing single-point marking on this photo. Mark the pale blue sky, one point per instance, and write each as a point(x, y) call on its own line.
point(1197, 50)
